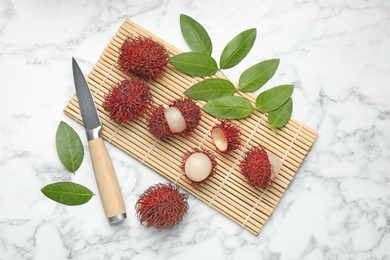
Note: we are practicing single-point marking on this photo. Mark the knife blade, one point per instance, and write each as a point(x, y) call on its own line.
point(106, 179)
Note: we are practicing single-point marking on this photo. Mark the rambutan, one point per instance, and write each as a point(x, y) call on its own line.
point(161, 206)
point(226, 136)
point(128, 100)
point(198, 165)
point(257, 168)
point(182, 116)
point(143, 57)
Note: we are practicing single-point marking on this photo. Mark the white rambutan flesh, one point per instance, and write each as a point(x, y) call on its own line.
point(175, 120)
point(275, 165)
point(219, 138)
point(198, 167)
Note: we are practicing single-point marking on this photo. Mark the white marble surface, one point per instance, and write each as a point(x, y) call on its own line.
point(337, 53)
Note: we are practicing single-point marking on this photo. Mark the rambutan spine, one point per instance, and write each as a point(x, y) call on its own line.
point(161, 206)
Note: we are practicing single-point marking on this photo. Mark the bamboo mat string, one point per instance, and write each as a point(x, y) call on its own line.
point(150, 150)
point(178, 178)
point(265, 190)
point(292, 143)
point(207, 134)
point(242, 152)
point(115, 132)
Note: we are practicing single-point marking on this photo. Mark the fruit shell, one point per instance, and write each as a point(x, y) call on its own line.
point(157, 123)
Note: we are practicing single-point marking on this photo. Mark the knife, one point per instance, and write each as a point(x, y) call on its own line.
point(106, 180)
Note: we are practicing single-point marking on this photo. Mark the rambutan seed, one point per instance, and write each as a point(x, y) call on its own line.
point(257, 168)
point(143, 57)
point(128, 100)
point(226, 136)
point(198, 165)
point(161, 206)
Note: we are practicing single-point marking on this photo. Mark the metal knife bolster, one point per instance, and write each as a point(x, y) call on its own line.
point(93, 133)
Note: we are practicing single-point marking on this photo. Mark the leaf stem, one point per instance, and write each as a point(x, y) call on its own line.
point(223, 74)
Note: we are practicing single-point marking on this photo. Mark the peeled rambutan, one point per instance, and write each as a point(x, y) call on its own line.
point(143, 57)
point(226, 136)
point(182, 116)
point(198, 165)
point(257, 168)
point(128, 100)
point(190, 112)
point(161, 206)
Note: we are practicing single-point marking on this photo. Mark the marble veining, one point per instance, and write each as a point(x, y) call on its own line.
point(335, 52)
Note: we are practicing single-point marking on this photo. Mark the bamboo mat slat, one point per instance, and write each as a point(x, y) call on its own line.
point(227, 191)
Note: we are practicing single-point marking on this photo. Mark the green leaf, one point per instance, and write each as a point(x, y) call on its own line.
point(67, 193)
point(210, 89)
point(256, 76)
point(194, 64)
point(234, 107)
point(195, 35)
point(237, 49)
point(280, 117)
point(70, 150)
point(273, 98)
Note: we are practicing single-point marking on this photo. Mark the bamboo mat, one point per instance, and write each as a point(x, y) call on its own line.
point(227, 191)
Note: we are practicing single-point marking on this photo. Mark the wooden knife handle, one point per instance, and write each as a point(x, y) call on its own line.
point(107, 182)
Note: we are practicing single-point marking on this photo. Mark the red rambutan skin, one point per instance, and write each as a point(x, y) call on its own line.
point(143, 57)
point(157, 124)
point(161, 206)
point(128, 100)
point(190, 111)
point(256, 168)
point(232, 134)
point(188, 154)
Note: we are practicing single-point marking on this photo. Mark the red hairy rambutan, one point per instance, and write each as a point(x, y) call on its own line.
point(257, 168)
point(182, 116)
point(127, 100)
point(198, 165)
point(143, 57)
point(161, 206)
point(226, 136)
